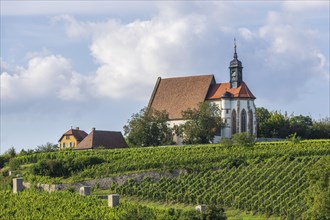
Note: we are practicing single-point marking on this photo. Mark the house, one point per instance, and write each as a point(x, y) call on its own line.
point(234, 99)
point(71, 138)
point(102, 139)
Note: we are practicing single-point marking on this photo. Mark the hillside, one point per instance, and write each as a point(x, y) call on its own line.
point(277, 178)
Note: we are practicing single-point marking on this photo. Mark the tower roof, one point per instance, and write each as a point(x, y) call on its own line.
point(235, 62)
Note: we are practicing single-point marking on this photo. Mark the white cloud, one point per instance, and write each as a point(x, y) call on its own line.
point(299, 6)
point(133, 55)
point(49, 76)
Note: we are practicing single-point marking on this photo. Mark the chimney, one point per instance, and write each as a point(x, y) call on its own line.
point(77, 128)
point(93, 129)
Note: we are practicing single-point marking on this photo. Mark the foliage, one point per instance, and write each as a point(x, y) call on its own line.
point(32, 204)
point(276, 125)
point(318, 194)
point(214, 212)
point(48, 147)
point(11, 152)
point(294, 138)
point(268, 178)
point(226, 142)
point(148, 128)
point(63, 168)
point(243, 139)
point(201, 124)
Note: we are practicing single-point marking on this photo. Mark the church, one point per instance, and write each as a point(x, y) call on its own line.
point(234, 99)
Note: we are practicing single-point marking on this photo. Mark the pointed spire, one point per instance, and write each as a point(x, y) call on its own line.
point(235, 54)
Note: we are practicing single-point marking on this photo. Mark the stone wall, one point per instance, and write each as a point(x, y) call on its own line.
point(107, 182)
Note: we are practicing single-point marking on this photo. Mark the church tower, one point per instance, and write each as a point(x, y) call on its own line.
point(235, 68)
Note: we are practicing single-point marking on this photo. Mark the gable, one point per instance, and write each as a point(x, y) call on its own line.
point(79, 135)
point(216, 91)
point(107, 139)
point(180, 93)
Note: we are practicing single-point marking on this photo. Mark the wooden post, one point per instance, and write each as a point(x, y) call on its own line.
point(17, 185)
point(113, 200)
point(85, 190)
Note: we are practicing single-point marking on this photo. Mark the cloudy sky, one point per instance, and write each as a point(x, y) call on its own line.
point(95, 63)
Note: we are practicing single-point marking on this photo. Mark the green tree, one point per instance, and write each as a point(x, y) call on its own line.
point(320, 129)
point(48, 147)
point(149, 127)
point(301, 125)
point(263, 128)
point(201, 124)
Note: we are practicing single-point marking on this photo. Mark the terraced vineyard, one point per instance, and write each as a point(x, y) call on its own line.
point(272, 178)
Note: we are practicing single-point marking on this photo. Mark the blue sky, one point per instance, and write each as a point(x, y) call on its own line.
point(94, 63)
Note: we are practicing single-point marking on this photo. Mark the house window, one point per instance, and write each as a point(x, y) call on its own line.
point(243, 121)
point(67, 137)
point(70, 144)
point(63, 145)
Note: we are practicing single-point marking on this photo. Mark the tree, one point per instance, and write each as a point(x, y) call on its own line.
point(301, 125)
point(321, 128)
point(149, 127)
point(48, 147)
point(201, 124)
point(263, 128)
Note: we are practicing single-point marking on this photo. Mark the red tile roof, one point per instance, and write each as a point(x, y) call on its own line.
point(78, 134)
point(106, 139)
point(217, 90)
point(180, 93)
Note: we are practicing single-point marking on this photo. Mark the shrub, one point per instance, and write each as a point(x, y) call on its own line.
point(226, 142)
point(244, 139)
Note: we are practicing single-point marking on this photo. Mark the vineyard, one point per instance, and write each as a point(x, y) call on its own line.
point(277, 178)
point(31, 204)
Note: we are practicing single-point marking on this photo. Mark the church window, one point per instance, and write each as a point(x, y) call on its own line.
point(227, 111)
point(243, 121)
point(250, 121)
point(233, 122)
point(218, 133)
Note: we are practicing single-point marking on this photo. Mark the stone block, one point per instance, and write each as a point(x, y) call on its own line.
point(201, 208)
point(113, 200)
point(85, 190)
point(17, 185)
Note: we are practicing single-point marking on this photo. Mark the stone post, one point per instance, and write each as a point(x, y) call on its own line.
point(113, 200)
point(17, 185)
point(85, 190)
point(201, 208)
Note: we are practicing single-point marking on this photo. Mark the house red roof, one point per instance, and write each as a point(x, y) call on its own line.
point(78, 134)
point(106, 139)
point(216, 91)
point(180, 93)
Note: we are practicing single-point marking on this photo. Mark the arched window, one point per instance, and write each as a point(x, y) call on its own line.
point(233, 122)
point(250, 121)
point(243, 121)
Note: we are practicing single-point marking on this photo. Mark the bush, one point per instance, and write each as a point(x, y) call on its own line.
point(244, 139)
point(294, 138)
point(214, 212)
point(226, 142)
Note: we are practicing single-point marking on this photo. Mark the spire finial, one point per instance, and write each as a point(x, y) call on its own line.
point(235, 54)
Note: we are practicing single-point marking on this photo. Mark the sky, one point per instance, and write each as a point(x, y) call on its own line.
point(94, 63)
